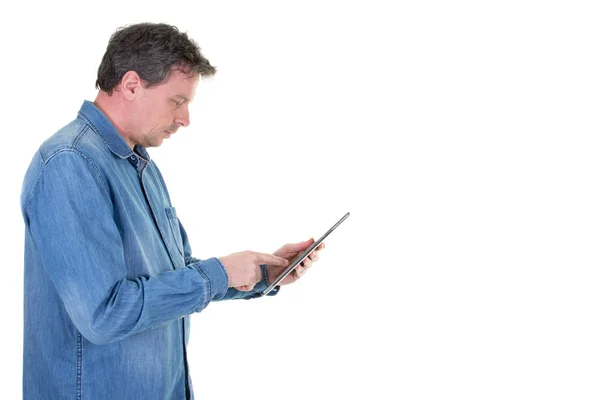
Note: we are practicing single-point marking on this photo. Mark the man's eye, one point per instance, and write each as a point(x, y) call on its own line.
point(176, 103)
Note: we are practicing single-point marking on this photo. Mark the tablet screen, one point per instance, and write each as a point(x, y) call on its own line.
point(301, 257)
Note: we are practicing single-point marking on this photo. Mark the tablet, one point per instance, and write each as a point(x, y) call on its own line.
point(301, 257)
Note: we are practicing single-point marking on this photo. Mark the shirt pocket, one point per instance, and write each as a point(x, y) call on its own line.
point(174, 228)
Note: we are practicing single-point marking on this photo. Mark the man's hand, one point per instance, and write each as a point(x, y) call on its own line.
point(243, 268)
point(290, 252)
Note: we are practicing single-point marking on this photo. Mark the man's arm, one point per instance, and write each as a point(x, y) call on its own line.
point(232, 293)
point(70, 217)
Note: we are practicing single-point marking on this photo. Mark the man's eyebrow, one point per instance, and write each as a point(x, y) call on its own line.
point(182, 97)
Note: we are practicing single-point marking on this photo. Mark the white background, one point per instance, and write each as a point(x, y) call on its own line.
point(462, 136)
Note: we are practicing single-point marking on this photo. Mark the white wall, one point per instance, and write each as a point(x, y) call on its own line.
point(462, 137)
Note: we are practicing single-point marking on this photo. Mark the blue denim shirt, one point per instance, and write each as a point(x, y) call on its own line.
point(109, 276)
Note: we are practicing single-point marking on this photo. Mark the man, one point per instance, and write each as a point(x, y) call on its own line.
point(110, 280)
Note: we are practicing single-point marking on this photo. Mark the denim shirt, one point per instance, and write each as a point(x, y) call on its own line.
point(109, 276)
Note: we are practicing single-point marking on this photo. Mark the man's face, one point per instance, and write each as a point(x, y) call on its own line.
point(162, 109)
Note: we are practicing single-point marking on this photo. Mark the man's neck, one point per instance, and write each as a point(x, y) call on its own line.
point(113, 109)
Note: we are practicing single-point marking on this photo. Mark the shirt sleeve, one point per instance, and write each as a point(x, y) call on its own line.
point(232, 293)
point(70, 217)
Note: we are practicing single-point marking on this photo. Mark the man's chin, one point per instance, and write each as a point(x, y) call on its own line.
point(156, 142)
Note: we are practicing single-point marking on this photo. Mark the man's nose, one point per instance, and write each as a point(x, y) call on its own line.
point(183, 117)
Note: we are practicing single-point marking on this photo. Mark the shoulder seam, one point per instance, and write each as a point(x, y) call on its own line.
point(52, 156)
point(79, 136)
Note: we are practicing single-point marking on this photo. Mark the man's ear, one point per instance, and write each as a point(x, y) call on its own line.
point(131, 85)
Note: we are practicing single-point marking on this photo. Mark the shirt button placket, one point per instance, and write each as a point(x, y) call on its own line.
point(135, 161)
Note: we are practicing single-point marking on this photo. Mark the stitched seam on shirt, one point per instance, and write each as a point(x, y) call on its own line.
point(154, 167)
point(80, 136)
point(224, 271)
point(42, 156)
point(79, 365)
point(161, 230)
point(173, 219)
point(39, 177)
point(58, 150)
point(36, 183)
point(93, 127)
point(208, 294)
point(84, 156)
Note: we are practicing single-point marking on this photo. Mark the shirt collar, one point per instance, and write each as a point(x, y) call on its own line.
point(106, 130)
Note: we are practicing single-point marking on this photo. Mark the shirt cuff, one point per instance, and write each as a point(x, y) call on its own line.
point(214, 272)
point(263, 284)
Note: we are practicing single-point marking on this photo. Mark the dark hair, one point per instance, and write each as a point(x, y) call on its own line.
point(151, 50)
